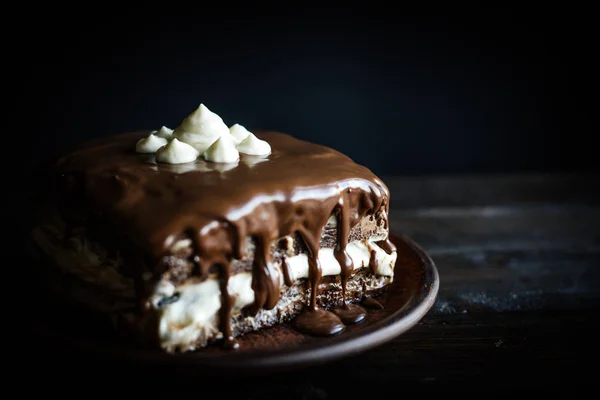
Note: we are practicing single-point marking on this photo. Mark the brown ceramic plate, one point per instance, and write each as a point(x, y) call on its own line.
point(405, 302)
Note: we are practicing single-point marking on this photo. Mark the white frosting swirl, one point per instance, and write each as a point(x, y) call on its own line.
point(201, 129)
point(222, 151)
point(203, 133)
point(254, 146)
point(150, 144)
point(176, 152)
point(239, 133)
point(164, 132)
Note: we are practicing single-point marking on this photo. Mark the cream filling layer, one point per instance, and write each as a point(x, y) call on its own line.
point(193, 316)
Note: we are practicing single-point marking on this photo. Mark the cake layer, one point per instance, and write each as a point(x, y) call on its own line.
point(192, 321)
point(188, 313)
point(184, 312)
point(79, 251)
point(179, 266)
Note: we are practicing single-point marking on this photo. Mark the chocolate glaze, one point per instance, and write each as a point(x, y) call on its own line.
point(386, 245)
point(370, 302)
point(373, 263)
point(350, 313)
point(225, 310)
point(341, 255)
point(315, 321)
point(287, 272)
point(293, 190)
point(265, 278)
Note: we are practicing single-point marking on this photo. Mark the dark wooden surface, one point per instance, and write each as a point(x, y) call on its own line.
point(519, 261)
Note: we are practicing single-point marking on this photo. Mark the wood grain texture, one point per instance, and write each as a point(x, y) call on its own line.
point(519, 262)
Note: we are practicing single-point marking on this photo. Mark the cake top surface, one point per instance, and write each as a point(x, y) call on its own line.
point(295, 187)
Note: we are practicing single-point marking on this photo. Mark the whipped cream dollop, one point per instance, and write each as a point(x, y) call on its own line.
point(254, 146)
point(203, 133)
point(222, 151)
point(239, 133)
point(164, 132)
point(201, 129)
point(176, 152)
point(150, 144)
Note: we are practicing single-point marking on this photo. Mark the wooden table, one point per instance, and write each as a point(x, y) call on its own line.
point(519, 261)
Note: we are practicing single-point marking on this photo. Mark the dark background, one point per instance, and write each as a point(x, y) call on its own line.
point(501, 90)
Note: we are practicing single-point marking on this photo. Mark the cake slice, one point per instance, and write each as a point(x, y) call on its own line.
point(205, 233)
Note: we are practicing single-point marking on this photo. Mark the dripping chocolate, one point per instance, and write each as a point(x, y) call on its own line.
point(206, 255)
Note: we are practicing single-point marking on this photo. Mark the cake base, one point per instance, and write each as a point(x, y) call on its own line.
point(121, 313)
point(71, 330)
point(116, 303)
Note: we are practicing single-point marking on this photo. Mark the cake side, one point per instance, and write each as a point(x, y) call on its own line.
point(211, 223)
point(183, 315)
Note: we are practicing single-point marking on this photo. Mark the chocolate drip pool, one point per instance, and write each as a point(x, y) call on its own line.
point(350, 313)
point(293, 190)
point(370, 302)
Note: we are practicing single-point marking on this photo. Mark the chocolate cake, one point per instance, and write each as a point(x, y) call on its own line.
point(192, 237)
